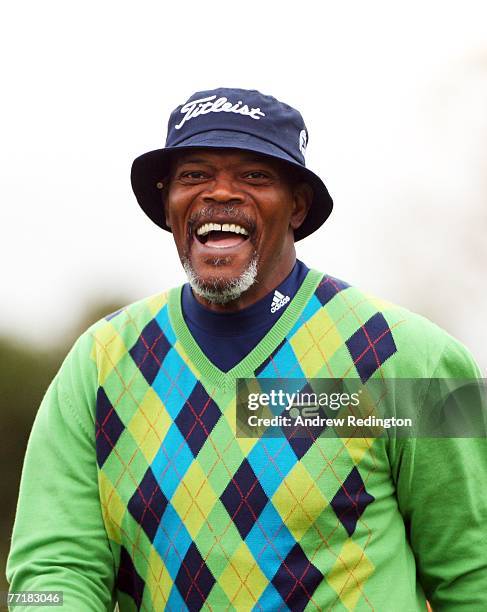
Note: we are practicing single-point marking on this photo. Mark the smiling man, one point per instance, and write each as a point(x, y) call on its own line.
point(137, 488)
point(233, 216)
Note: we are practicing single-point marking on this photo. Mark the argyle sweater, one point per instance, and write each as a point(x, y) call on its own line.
point(136, 489)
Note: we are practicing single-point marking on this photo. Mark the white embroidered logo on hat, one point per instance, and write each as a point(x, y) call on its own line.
point(203, 106)
point(303, 141)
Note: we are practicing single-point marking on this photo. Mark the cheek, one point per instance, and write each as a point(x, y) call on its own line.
point(276, 215)
point(175, 211)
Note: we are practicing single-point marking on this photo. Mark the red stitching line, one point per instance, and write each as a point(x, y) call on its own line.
point(372, 346)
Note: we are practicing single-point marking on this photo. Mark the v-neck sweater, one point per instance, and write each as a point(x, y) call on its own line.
point(137, 490)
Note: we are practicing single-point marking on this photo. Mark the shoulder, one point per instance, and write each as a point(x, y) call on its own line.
point(130, 319)
point(111, 338)
point(406, 343)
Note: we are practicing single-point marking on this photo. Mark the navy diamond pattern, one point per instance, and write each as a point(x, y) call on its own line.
point(244, 498)
point(149, 350)
point(371, 345)
point(302, 438)
point(194, 579)
point(351, 501)
point(147, 504)
point(297, 579)
point(109, 427)
point(197, 418)
point(128, 580)
point(328, 288)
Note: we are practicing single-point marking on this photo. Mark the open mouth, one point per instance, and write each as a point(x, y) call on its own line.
point(221, 235)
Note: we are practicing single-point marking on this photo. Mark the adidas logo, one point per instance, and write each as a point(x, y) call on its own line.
point(278, 301)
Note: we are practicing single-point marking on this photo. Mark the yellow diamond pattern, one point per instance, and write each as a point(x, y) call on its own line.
point(150, 424)
point(156, 302)
point(299, 501)
point(158, 580)
point(349, 574)
point(194, 499)
point(321, 332)
point(112, 507)
point(357, 447)
point(108, 342)
point(242, 580)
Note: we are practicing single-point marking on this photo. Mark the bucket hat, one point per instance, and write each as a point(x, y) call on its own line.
point(227, 118)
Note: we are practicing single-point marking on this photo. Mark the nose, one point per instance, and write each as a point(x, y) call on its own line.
point(223, 190)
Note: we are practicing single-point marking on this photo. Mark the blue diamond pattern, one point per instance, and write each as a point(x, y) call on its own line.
point(173, 383)
point(271, 459)
point(171, 461)
point(172, 540)
point(282, 363)
point(269, 541)
point(270, 599)
point(162, 319)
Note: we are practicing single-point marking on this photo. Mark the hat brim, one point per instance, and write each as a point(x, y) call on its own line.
point(150, 168)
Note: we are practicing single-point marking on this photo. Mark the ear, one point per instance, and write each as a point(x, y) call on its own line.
point(303, 196)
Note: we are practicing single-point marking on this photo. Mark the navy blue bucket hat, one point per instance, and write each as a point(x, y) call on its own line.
point(231, 119)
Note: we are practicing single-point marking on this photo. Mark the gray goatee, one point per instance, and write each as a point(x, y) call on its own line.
point(219, 290)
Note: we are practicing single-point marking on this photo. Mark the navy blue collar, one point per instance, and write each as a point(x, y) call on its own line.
point(260, 316)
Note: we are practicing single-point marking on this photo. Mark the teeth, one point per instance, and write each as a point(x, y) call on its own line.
point(208, 227)
point(216, 227)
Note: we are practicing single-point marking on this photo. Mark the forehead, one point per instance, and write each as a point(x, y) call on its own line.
point(222, 157)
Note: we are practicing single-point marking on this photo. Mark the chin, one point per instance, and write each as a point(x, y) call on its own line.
point(218, 280)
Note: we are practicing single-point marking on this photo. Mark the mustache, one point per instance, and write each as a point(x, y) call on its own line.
point(231, 213)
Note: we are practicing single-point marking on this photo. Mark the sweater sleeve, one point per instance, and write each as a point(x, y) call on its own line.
point(59, 540)
point(441, 485)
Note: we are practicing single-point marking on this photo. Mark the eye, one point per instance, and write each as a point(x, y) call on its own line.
point(193, 176)
point(257, 176)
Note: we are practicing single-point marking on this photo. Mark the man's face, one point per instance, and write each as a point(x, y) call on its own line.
point(232, 212)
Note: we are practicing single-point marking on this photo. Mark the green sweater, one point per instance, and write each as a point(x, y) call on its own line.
point(136, 489)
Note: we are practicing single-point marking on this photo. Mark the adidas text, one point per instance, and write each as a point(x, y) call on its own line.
point(278, 301)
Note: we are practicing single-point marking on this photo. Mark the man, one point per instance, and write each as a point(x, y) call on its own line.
point(136, 487)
